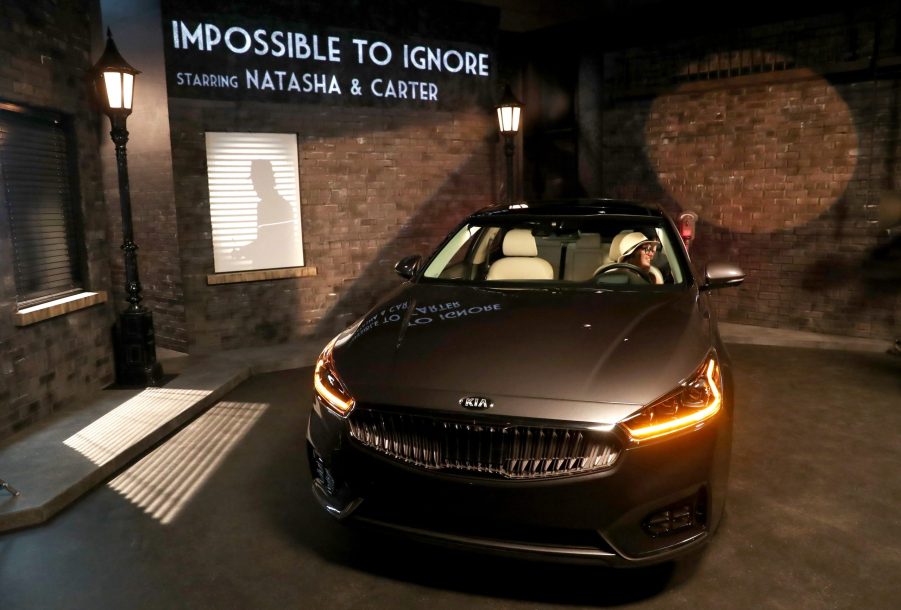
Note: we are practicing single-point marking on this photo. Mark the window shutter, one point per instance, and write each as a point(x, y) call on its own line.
point(37, 192)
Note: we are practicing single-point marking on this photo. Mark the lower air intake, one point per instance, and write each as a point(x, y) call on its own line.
point(690, 512)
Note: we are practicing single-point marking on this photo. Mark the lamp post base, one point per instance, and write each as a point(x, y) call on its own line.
point(135, 345)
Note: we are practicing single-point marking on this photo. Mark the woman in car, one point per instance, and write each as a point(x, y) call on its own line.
point(638, 250)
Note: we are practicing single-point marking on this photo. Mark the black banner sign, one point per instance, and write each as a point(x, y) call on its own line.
point(238, 58)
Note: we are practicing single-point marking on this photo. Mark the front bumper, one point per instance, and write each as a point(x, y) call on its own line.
point(613, 517)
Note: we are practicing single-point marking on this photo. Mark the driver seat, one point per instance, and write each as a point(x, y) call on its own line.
point(520, 260)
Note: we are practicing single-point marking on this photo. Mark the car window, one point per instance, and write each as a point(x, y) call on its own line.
point(576, 252)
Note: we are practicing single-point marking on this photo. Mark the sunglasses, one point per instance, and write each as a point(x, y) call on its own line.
point(648, 249)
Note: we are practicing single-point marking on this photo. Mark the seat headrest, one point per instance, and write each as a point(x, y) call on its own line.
point(519, 242)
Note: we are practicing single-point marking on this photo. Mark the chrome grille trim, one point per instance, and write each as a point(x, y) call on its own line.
point(513, 451)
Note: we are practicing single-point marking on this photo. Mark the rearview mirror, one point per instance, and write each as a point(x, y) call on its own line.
point(721, 275)
point(408, 266)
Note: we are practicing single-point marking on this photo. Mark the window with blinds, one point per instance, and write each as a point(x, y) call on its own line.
point(36, 186)
point(254, 201)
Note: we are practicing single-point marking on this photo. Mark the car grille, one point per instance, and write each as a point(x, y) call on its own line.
point(511, 451)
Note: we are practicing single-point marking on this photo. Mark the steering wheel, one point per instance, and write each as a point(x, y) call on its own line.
point(632, 269)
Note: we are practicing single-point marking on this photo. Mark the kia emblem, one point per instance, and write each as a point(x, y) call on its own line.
point(475, 402)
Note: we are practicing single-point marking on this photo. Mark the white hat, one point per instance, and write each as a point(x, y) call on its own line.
point(631, 242)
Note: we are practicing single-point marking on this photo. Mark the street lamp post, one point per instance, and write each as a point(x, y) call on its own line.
point(509, 110)
point(136, 363)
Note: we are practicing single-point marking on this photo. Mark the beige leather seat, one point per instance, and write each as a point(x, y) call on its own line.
point(583, 257)
point(520, 260)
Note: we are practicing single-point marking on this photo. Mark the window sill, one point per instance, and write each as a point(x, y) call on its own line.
point(258, 276)
point(59, 307)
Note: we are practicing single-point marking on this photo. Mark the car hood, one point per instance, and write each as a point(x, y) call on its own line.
point(590, 356)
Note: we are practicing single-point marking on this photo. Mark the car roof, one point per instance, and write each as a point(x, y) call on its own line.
point(570, 207)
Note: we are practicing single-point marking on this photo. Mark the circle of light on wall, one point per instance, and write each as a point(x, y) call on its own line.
point(755, 158)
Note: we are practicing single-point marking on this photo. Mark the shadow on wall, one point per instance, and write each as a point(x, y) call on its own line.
point(876, 276)
point(790, 285)
point(275, 223)
point(462, 193)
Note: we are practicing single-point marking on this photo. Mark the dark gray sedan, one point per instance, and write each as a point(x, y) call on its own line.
point(549, 382)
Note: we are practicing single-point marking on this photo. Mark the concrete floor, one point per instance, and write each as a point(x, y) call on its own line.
point(812, 517)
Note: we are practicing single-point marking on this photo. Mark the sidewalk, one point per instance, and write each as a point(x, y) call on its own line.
point(57, 461)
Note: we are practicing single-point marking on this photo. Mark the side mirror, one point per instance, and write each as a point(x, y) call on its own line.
point(721, 275)
point(408, 266)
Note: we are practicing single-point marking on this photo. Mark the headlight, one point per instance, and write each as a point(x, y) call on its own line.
point(329, 386)
point(697, 400)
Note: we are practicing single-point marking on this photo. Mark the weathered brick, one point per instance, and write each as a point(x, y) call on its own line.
point(62, 360)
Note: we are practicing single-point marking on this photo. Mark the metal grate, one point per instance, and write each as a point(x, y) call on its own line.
point(839, 42)
point(511, 451)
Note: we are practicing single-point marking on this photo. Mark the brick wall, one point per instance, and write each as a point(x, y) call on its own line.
point(785, 170)
point(375, 185)
point(44, 53)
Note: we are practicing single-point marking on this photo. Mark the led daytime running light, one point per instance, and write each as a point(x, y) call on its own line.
point(696, 416)
point(333, 394)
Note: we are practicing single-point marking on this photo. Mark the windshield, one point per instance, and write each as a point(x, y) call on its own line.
point(576, 252)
